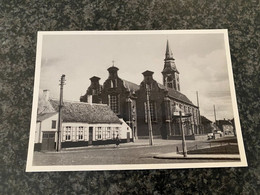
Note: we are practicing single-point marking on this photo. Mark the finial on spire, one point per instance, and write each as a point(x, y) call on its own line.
point(113, 63)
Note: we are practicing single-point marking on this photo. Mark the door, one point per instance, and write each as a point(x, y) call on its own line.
point(128, 137)
point(48, 141)
point(90, 139)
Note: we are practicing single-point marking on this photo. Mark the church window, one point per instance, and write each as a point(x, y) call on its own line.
point(113, 83)
point(152, 111)
point(114, 103)
point(169, 82)
point(149, 87)
point(94, 92)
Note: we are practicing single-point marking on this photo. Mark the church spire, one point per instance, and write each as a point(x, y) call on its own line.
point(168, 53)
point(170, 72)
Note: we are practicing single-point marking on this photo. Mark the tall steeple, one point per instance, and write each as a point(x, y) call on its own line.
point(168, 53)
point(170, 72)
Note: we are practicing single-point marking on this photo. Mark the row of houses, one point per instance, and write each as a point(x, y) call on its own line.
point(225, 126)
point(83, 124)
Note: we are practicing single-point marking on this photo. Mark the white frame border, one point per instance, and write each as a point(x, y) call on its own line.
point(31, 168)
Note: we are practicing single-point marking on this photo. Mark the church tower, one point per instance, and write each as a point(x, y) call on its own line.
point(170, 72)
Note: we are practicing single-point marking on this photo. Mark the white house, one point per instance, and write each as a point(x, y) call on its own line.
point(83, 124)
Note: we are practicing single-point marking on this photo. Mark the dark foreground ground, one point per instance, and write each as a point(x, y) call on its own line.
point(131, 153)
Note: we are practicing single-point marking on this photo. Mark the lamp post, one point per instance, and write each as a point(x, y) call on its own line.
point(184, 146)
point(178, 113)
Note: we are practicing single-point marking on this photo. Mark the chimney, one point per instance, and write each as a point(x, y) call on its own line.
point(46, 95)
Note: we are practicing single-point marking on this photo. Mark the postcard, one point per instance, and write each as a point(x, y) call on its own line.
point(131, 100)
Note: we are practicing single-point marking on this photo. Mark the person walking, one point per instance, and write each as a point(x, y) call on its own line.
point(117, 141)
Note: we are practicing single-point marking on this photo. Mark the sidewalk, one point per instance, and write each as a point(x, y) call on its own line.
point(138, 142)
point(174, 155)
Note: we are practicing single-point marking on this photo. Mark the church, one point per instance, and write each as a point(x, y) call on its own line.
point(129, 101)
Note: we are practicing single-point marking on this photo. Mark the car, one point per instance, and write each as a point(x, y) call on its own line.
point(210, 136)
point(220, 132)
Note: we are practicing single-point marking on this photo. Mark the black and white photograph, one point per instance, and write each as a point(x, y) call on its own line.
point(122, 100)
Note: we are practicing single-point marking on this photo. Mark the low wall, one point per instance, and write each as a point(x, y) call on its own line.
point(37, 146)
point(179, 137)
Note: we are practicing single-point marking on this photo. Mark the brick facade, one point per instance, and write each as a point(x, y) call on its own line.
point(129, 101)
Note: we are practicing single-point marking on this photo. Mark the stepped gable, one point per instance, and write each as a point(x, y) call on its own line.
point(176, 95)
point(84, 112)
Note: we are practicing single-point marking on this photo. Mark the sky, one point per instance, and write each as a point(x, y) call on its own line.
point(200, 58)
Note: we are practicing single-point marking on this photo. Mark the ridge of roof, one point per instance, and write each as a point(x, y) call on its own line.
point(78, 102)
point(130, 85)
point(176, 94)
point(86, 112)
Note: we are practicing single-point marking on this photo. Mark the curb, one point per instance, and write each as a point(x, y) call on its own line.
point(198, 157)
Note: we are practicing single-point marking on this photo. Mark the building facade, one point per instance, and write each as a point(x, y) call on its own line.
point(129, 101)
point(83, 124)
point(226, 127)
point(119, 94)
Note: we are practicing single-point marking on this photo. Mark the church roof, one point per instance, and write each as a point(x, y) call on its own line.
point(172, 93)
point(86, 113)
point(131, 86)
point(205, 120)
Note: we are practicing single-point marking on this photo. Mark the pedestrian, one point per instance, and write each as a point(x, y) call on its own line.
point(117, 141)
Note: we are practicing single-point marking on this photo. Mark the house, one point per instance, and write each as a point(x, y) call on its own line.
point(226, 126)
point(207, 125)
point(83, 124)
point(129, 101)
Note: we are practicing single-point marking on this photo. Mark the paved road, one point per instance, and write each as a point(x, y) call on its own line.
point(131, 153)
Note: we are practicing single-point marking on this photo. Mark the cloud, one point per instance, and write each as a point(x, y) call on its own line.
point(208, 75)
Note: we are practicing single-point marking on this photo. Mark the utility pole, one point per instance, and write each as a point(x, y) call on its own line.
point(198, 104)
point(58, 145)
point(184, 147)
point(149, 116)
point(215, 114)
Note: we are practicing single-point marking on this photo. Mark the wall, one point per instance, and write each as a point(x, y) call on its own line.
point(45, 125)
point(156, 95)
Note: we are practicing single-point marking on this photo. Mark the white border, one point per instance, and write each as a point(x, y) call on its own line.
point(31, 168)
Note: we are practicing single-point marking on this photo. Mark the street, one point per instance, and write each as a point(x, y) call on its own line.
point(139, 152)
